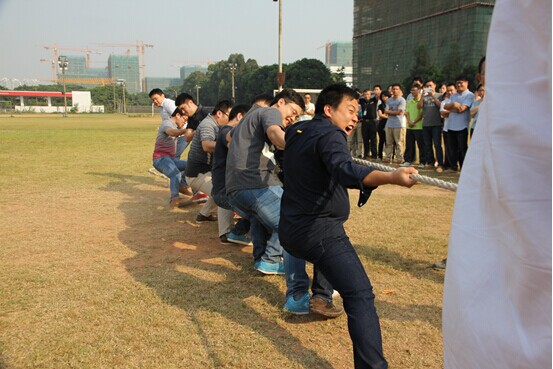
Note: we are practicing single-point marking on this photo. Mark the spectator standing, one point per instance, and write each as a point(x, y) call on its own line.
point(413, 115)
point(395, 129)
point(382, 119)
point(309, 108)
point(458, 124)
point(450, 90)
point(369, 122)
point(355, 139)
point(432, 126)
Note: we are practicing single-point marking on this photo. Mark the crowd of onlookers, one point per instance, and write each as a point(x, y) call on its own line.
point(430, 127)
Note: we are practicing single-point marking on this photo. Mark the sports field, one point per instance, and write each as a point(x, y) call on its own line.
point(96, 271)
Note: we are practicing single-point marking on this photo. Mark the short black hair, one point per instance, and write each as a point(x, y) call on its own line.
point(238, 109)
point(417, 79)
point(333, 95)
point(462, 78)
point(183, 98)
point(156, 91)
point(416, 85)
point(222, 105)
point(375, 86)
point(290, 96)
point(177, 111)
point(385, 93)
point(266, 98)
point(396, 84)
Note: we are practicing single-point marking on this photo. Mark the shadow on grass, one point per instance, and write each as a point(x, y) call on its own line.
point(417, 268)
point(186, 266)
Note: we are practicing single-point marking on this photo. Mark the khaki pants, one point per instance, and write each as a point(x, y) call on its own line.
point(397, 136)
point(355, 141)
point(225, 218)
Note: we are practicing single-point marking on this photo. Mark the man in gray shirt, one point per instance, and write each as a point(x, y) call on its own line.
point(432, 125)
point(395, 127)
point(200, 158)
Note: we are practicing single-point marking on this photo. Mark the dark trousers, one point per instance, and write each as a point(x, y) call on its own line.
point(432, 136)
point(413, 136)
point(381, 137)
point(336, 258)
point(457, 146)
point(368, 131)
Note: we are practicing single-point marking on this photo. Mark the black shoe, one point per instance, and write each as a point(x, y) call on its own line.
point(202, 218)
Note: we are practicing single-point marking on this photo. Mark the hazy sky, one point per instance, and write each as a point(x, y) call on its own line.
point(182, 32)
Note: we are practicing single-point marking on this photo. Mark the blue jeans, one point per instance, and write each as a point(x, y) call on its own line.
point(174, 169)
point(264, 205)
point(337, 260)
point(242, 226)
point(433, 136)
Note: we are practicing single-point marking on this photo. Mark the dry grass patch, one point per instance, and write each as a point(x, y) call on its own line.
point(97, 272)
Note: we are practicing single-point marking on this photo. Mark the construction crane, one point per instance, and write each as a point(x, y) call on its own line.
point(140, 52)
point(327, 47)
point(86, 50)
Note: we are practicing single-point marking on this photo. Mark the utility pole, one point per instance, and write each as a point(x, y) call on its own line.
point(280, 75)
point(63, 63)
point(232, 67)
point(198, 94)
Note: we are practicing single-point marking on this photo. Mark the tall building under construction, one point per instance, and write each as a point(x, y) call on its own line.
point(386, 33)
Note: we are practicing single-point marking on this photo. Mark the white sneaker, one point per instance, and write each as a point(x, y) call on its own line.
point(405, 164)
point(421, 166)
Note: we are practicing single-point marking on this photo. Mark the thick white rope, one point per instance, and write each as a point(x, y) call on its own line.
point(417, 177)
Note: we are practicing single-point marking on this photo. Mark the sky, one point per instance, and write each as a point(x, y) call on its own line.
point(182, 31)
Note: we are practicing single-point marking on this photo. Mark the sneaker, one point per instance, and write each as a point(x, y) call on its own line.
point(200, 198)
point(202, 218)
point(327, 309)
point(241, 239)
point(405, 164)
point(299, 306)
point(178, 202)
point(266, 267)
point(185, 190)
point(224, 240)
point(440, 265)
point(421, 166)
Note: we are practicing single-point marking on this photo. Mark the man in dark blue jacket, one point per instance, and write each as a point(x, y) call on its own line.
point(315, 205)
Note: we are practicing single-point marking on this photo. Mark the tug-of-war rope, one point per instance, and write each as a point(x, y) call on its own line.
point(417, 177)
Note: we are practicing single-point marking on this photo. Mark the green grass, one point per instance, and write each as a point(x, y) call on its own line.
point(97, 272)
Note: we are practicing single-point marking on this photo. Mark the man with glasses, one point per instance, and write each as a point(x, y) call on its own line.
point(253, 187)
point(200, 158)
point(458, 123)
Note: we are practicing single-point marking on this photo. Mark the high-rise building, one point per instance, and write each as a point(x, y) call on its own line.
point(339, 54)
point(187, 70)
point(125, 67)
point(77, 69)
point(385, 35)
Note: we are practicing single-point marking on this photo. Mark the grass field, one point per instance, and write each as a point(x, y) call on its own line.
point(97, 272)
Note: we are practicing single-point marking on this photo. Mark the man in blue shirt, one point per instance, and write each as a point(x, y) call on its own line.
point(315, 205)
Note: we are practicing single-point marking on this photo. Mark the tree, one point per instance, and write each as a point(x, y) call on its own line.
point(422, 67)
point(307, 73)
